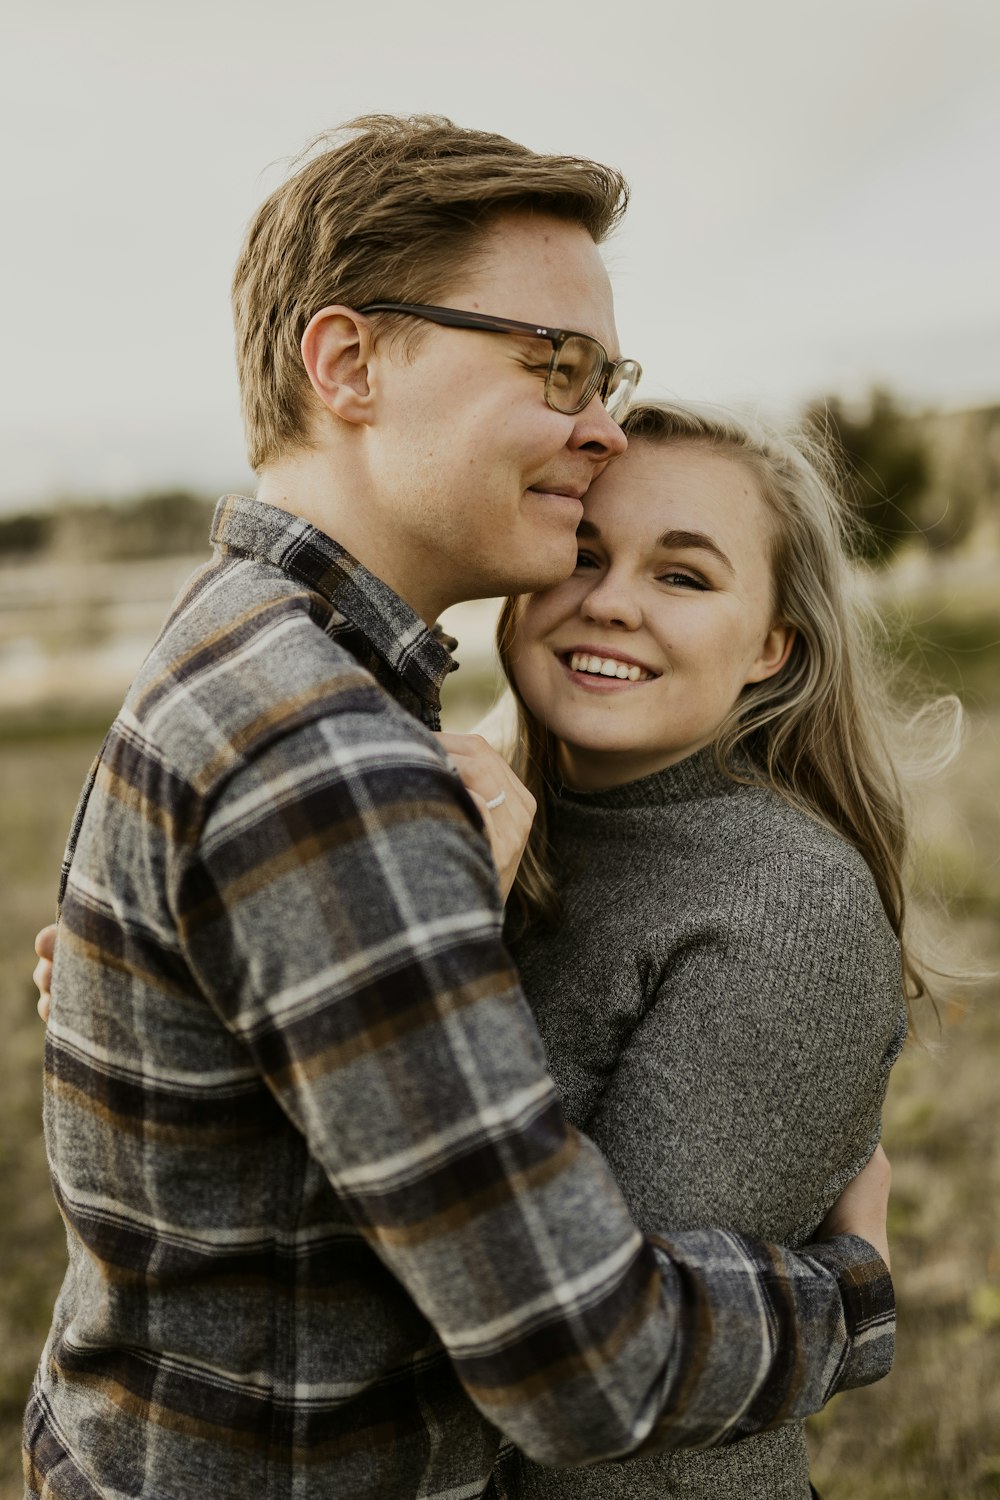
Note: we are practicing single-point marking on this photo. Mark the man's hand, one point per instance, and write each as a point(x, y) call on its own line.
point(45, 947)
point(505, 804)
point(862, 1207)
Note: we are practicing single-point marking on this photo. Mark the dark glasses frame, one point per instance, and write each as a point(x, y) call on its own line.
point(614, 397)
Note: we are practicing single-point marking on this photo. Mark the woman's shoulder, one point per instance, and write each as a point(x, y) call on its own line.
point(767, 876)
point(795, 883)
point(695, 842)
point(758, 826)
point(792, 920)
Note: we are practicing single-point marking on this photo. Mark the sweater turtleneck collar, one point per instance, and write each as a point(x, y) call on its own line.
point(691, 779)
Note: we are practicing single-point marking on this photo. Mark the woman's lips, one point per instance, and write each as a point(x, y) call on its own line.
point(593, 667)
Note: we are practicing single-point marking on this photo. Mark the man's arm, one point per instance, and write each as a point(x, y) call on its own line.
point(341, 913)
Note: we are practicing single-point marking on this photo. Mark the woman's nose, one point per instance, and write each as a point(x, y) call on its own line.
point(613, 601)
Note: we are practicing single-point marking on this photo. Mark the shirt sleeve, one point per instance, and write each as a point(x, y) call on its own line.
point(341, 913)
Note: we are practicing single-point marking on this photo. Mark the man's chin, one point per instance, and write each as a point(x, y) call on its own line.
point(549, 565)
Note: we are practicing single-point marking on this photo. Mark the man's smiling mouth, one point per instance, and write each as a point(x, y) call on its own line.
point(561, 491)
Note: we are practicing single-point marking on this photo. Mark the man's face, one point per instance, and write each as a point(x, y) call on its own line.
point(482, 480)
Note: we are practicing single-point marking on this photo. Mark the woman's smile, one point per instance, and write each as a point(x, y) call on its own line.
point(597, 668)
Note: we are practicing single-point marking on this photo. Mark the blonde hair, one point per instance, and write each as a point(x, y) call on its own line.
point(395, 210)
point(819, 731)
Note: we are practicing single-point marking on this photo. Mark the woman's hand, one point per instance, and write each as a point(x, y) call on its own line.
point(862, 1207)
point(506, 805)
point(45, 947)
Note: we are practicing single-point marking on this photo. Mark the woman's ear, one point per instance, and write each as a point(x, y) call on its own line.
point(336, 348)
point(773, 653)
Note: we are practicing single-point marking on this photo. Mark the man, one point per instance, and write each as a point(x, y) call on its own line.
point(328, 1229)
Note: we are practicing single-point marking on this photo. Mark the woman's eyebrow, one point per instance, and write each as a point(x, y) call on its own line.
point(678, 539)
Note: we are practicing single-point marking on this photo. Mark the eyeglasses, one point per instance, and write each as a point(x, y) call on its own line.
point(579, 366)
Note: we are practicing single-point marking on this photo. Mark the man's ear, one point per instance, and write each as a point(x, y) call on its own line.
point(336, 348)
point(773, 653)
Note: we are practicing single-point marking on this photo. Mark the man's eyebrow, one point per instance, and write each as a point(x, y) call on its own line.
point(669, 539)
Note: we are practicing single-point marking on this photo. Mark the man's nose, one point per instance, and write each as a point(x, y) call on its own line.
point(598, 433)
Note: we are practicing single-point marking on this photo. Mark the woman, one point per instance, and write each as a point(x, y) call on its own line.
point(709, 917)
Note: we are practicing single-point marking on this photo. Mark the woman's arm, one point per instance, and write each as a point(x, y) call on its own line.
point(862, 1207)
point(750, 1092)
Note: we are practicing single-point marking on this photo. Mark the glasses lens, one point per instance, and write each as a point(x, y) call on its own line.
point(574, 373)
point(621, 386)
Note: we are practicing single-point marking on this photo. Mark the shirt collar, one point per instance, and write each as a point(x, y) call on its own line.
point(420, 657)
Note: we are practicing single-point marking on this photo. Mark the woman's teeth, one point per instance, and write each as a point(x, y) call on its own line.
point(606, 666)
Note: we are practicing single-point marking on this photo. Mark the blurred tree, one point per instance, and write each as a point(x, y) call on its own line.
point(162, 523)
point(886, 466)
point(963, 494)
point(24, 534)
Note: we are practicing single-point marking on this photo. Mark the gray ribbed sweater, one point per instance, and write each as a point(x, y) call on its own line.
point(721, 1006)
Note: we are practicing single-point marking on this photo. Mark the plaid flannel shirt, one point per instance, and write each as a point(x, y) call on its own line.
point(329, 1232)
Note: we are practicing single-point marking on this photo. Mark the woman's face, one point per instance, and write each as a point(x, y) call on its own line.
point(635, 660)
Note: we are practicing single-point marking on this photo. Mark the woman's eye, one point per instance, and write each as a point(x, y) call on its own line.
point(684, 581)
point(585, 560)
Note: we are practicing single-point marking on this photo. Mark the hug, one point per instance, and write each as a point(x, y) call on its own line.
point(434, 1123)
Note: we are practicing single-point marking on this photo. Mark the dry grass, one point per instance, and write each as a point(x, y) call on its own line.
point(930, 1432)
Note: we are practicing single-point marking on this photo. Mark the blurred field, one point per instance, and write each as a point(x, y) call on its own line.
point(930, 1432)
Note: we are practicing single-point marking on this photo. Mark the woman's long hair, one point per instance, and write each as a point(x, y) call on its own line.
point(820, 731)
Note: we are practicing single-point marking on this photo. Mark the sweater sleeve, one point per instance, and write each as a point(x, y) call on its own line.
point(750, 1091)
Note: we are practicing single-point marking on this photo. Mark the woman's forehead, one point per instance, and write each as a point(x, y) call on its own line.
point(657, 489)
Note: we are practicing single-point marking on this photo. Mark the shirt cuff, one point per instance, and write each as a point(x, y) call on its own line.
point(869, 1307)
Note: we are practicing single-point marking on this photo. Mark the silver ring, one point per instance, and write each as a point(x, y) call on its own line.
point(496, 801)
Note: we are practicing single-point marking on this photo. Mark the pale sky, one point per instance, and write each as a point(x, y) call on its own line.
point(816, 203)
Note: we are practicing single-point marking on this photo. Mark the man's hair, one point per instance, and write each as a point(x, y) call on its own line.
point(394, 211)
